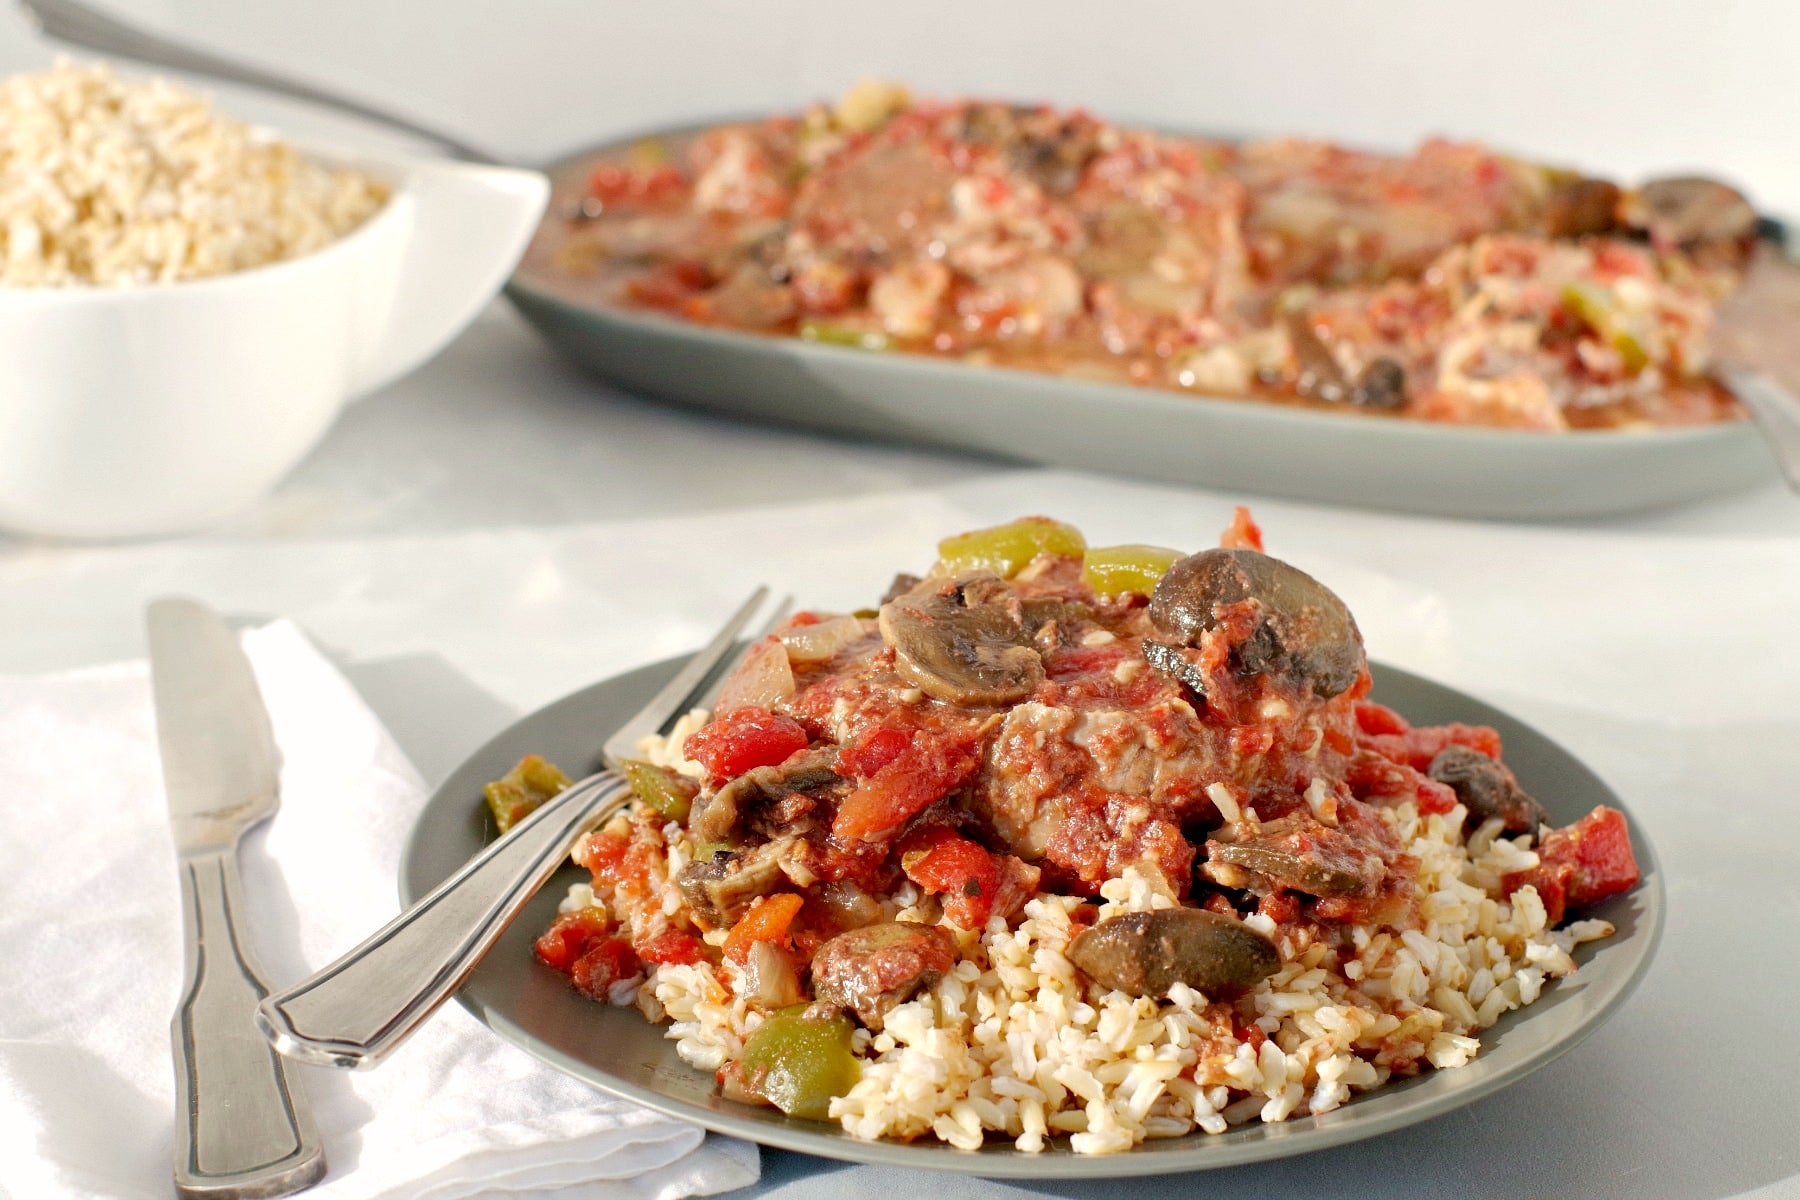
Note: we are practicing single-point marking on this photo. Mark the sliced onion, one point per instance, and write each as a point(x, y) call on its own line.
point(819, 643)
point(763, 678)
point(770, 980)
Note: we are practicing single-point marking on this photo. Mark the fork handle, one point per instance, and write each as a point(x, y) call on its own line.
point(360, 1007)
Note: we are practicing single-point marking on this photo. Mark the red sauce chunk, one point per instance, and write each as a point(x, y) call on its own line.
point(1581, 864)
point(742, 740)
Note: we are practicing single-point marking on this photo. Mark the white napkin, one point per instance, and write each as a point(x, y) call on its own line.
point(90, 938)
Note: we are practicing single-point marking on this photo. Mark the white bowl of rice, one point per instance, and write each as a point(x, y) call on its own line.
point(186, 302)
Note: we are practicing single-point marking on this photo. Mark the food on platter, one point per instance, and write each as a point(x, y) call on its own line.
point(112, 182)
point(1109, 843)
point(1455, 283)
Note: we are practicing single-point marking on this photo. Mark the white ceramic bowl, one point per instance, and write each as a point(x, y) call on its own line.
point(134, 411)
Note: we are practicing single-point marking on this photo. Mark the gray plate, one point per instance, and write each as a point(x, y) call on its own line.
point(619, 1052)
point(1215, 442)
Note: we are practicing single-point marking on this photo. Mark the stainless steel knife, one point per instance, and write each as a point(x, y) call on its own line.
point(242, 1127)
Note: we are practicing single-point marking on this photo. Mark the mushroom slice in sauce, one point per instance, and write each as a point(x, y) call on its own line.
point(1578, 206)
point(1487, 789)
point(719, 817)
point(1177, 663)
point(963, 641)
point(720, 888)
point(1303, 636)
point(1296, 852)
point(1381, 384)
point(1147, 953)
point(870, 970)
point(1690, 212)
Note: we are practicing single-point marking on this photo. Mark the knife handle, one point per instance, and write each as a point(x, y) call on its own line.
point(354, 1011)
point(242, 1128)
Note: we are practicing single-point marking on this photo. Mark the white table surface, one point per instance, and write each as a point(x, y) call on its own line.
point(497, 530)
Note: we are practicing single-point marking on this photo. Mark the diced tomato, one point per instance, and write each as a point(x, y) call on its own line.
point(766, 920)
point(1377, 779)
point(1243, 533)
point(1217, 903)
point(670, 946)
point(743, 739)
point(570, 936)
point(1580, 864)
point(1597, 849)
point(923, 773)
point(1281, 907)
point(963, 873)
point(1373, 718)
point(604, 854)
point(876, 749)
point(1551, 880)
point(660, 289)
point(605, 964)
point(614, 182)
point(672, 285)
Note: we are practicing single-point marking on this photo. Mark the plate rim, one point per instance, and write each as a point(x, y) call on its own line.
point(1191, 1152)
point(1274, 413)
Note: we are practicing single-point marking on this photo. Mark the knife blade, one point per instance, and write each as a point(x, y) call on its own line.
point(242, 1126)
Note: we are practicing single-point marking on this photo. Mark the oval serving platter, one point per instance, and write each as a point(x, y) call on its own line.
point(616, 1050)
point(1145, 432)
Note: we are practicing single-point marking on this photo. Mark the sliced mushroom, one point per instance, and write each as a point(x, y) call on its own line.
point(1578, 206)
point(1691, 213)
point(1051, 150)
point(870, 970)
point(1298, 853)
point(1147, 953)
point(1176, 663)
point(1040, 611)
point(1304, 635)
point(719, 817)
point(1487, 789)
point(1321, 376)
point(720, 888)
point(963, 641)
point(903, 583)
point(1380, 384)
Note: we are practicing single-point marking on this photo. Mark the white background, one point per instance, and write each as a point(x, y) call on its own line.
point(496, 529)
point(1654, 85)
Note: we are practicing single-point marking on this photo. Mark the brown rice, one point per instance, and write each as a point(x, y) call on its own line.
point(1014, 1042)
point(114, 182)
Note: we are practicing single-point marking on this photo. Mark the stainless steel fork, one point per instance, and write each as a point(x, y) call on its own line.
point(360, 1007)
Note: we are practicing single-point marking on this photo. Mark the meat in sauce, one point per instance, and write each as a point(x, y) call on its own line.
point(1454, 283)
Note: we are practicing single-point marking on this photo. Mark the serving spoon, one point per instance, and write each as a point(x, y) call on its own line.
point(79, 25)
point(1762, 369)
point(1757, 352)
